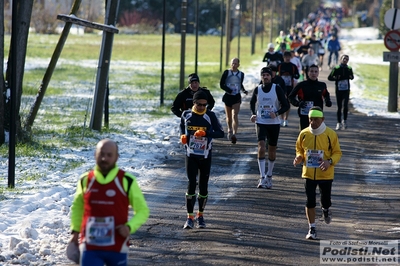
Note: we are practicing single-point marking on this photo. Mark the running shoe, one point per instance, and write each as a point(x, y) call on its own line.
point(233, 139)
point(200, 222)
point(189, 224)
point(327, 215)
point(338, 126)
point(262, 183)
point(269, 182)
point(312, 233)
point(229, 135)
point(344, 124)
point(285, 123)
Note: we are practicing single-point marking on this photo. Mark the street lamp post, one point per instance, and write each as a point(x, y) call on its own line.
point(239, 13)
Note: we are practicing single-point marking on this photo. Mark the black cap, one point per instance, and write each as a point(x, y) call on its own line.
point(266, 70)
point(200, 95)
point(273, 66)
point(193, 77)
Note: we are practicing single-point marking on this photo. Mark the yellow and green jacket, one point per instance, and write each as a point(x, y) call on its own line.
point(135, 196)
point(328, 142)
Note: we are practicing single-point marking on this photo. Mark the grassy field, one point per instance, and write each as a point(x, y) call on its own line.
point(376, 88)
point(133, 57)
point(135, 76)
point(135, 72)
point(373, 77)
point(136, 60)
point(370, 49)
point(134, 81)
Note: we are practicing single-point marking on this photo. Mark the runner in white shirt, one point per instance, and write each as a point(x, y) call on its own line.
point(267, 103)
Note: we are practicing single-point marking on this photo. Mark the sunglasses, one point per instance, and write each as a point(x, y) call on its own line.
point(201, 104)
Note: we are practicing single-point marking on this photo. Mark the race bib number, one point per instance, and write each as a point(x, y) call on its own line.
point(306, 109)
point(197, 145)
point(343, 85)
point(100, 231)
point(265, 111)
point(314, 158)
point(234, 83)
point(288, 80)
point(234, 87)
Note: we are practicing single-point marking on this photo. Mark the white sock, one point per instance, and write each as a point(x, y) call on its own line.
point(261, 167)
point(312, 225)
point(270, 167)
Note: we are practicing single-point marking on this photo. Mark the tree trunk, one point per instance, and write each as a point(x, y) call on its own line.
point(22, 23)
point(50, 69)
point(2, 71)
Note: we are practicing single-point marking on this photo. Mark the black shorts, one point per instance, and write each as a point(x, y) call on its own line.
point(325, 189)
point(230, 100)
point(269, 132)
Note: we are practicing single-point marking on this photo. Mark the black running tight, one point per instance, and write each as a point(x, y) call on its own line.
point(342, 101)
point(202, 167)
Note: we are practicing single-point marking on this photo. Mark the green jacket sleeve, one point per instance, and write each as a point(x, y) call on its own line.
point(77, 207)
point(141, 211)
point(136, 200)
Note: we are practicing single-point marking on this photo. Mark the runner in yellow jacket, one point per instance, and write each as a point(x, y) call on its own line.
point(318, 148)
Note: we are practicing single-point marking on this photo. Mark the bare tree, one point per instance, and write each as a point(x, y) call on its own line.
point(1, 71)
point(22, 23)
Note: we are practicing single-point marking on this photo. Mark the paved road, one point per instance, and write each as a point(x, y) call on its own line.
point(250, 226)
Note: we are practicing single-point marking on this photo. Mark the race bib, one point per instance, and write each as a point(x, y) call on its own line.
point(288, 80)
point(100, 231)
point(343, 85)
point(265, 111)
point(234, 83)
point(234, 87)
point(314, 158)
point(197, 145)
point(306, 109)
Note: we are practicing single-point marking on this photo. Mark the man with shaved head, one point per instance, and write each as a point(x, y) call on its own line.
point(99, 212)
point(106, 155)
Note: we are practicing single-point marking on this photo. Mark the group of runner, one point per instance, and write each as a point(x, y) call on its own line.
point(281, 85)
point(100, 231)
point(199, 126)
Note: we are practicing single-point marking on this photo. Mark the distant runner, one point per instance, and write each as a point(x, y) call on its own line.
point(267, 103)
point(309, 93)
point(341, 75)
point(184, 100)
point(232, 83)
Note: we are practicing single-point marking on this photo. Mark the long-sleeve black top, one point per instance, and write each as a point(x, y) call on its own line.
point(341, 72)
point(310, 90)
point(184, 101)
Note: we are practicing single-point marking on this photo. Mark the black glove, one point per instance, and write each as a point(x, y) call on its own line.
point(328, 103)
point(302, 104)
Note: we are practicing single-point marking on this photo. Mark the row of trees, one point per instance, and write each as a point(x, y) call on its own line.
point(30, 13)
point(147, 14)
